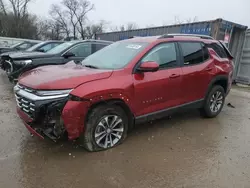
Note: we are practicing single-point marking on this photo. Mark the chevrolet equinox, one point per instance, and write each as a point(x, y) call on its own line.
point(128, 82)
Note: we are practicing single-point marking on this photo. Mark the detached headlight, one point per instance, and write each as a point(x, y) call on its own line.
point(23, 62)
point(53, 92)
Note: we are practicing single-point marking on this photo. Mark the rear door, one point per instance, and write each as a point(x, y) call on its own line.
point(197, 69)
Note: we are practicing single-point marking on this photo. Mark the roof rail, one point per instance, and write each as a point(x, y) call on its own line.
point(172, 35)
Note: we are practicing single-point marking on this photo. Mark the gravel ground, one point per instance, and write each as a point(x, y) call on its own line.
point(184, 151)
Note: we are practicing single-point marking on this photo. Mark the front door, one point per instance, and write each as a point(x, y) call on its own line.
point(155, 91)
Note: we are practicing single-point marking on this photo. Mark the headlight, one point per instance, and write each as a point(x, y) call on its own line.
point(23, 62)
point(53, 92)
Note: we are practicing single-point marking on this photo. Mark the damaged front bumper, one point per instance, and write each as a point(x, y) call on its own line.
point(51, 117)
point(12, 69)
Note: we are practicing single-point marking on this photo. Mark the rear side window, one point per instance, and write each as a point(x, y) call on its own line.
point(192, 53)
point(46, 47)
point(218, 49)
point(81, 50)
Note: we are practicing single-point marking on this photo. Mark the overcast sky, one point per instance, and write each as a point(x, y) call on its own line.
point(158, 12)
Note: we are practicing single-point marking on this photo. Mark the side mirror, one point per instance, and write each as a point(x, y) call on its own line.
point(149, 66)
point(68, 54)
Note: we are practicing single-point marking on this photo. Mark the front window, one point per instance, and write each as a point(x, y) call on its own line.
point(163, 54)
point(114, 56)
point(60, 48)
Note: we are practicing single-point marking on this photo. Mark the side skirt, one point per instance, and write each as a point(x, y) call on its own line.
point(166, 112)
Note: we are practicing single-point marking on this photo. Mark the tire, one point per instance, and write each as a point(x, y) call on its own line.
point(89, 139)
point(206, 111)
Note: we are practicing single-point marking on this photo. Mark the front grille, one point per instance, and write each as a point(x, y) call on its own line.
point(25, 88)
point(26, 105)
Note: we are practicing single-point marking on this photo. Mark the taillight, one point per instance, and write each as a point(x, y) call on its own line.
point(212, 52)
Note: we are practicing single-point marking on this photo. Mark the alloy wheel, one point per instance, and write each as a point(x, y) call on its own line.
point(216, 102)
point(109, 131)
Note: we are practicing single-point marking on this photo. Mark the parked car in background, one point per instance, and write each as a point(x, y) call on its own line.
point(40, 47)
point(16, 47)
point(131, 81)
point(44, 46)
point(15, 64)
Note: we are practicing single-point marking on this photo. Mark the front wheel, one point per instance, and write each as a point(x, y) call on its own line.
point(214, 102)
point(106, 127)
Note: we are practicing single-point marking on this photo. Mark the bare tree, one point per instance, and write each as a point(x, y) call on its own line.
point(84, 7)
point(72, 8)
point(191, 20)
point(3, 7)
point(131, 26)
point(71, 15)
point(177, 20)
point(128, 27)
point(92, 30)
point(19, 7)
point(60, 16)
point(15, 20)
point(3, 18)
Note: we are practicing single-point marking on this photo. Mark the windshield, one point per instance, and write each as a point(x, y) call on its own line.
point(31, 49)
point(60, 48)
point(114, 56)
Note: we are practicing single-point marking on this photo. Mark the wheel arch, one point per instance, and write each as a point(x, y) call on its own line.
point(115, 101)
point(221, 80)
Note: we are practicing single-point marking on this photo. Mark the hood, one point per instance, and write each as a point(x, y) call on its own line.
point(67, 76)
point(6, 49)
point(12, 52)
point(27, 55)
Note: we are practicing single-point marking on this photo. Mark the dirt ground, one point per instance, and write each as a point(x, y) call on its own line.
point(185, 151)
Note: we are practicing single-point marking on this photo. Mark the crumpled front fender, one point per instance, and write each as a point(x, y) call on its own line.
point(73, 116)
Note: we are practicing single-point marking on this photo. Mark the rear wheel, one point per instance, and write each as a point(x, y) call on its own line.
point(106, 127)
point(214, 102)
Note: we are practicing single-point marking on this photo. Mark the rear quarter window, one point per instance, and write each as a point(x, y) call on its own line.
point(218, 49)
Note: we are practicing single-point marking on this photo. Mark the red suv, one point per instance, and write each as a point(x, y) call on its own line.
point(128, 82)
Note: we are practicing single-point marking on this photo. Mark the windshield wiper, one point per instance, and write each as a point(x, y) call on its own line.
point(91, 66)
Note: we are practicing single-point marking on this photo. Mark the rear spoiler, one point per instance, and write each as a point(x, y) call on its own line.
point(226, 50)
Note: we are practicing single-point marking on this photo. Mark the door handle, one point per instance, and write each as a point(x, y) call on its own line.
point(174, 76)
point(209, 69)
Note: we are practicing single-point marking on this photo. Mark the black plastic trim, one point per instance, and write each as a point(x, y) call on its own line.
point(165, 112)
point(215, 79)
